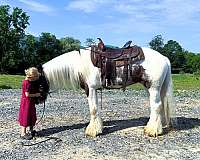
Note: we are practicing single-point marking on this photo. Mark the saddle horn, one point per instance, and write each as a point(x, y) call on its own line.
point(101, 44)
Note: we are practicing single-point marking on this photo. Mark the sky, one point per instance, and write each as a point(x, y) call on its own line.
point(115, 21)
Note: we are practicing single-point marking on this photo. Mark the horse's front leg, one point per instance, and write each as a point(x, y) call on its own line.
point(154, 126)
point(95, 126)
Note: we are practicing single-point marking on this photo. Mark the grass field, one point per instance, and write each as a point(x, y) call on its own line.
point(10, 81)
point(180, 81)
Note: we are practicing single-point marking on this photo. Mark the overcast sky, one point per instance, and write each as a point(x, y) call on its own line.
point(116, 21)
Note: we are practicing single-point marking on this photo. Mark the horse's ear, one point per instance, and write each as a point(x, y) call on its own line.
point(40, 68)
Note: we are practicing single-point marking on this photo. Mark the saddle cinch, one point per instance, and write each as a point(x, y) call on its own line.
point(109, 59)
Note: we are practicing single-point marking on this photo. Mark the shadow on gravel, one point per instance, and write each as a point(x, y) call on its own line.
point(53, 130)
point(116, 125)
point(109, 126)
point(184, 123)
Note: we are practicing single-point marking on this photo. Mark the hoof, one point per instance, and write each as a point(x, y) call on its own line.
point(91, 133)
point(94, 128)
point(152, 131)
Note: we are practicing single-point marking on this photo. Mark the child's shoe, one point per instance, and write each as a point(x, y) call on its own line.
point(33, 133)
point(27, 137)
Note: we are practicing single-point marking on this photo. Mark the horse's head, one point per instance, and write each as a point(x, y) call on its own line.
point(43, 84)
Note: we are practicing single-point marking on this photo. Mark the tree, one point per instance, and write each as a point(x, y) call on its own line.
point(12, 31)
point(174, 52)
point(179, 63)
point(48, 47)
point(69, 44)
point(157, 43)
point(189, 68)
point(192, 62)
point(89, 42)
point(4, 29)
point(29, 50)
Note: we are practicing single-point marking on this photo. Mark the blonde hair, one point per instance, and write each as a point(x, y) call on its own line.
point(32, 72)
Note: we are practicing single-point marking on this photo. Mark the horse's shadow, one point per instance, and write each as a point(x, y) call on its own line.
point(184, 123)
point(53, 130)
point(117, 125)
point(111, 126)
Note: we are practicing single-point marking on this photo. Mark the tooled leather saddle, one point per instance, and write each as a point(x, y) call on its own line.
point(109, 59)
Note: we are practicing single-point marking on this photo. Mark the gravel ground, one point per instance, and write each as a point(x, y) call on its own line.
point(61, 131)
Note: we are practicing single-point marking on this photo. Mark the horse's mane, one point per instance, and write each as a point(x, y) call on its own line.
point(64, 71)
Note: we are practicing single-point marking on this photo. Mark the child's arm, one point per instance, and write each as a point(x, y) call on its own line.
point(32, 95)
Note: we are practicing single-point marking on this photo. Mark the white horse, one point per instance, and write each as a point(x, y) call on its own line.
point(77, 68)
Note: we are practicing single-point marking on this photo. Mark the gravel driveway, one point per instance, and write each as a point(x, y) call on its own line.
point(61, 131)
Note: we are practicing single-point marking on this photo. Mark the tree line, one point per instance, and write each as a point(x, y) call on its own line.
point(182, 61)
point(19, 50)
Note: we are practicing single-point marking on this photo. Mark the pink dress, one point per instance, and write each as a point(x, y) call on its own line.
point(27, 112)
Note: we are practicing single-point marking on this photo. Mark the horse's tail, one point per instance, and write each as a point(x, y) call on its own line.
point(168, 99)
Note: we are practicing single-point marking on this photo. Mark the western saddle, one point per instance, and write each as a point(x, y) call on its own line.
point(109, 59)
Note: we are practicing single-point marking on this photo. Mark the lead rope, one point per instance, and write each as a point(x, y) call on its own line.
point(57, 140)
point(101, 100)
point(44, 107)
point(42, 114)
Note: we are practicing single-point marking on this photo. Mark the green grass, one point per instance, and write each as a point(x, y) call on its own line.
point(186, 82)
point(10, 81)
point(180, 81)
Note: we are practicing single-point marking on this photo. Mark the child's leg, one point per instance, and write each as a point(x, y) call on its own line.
point(24, 135)
point(33, 132)
point(23, 130)
point(31, 128)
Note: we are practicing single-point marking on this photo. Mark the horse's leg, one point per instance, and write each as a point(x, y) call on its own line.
point(154, 126)
point(95, 126)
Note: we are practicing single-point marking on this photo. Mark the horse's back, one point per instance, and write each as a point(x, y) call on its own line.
point(153, 56)
point(155, 64)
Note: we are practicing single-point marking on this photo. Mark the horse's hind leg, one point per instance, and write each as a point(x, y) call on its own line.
point(154, 126)
point(95, 126)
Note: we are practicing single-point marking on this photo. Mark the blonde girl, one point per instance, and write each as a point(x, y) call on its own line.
point(27, 111)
